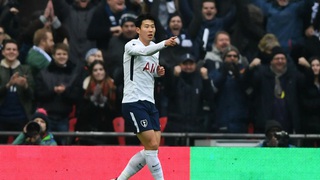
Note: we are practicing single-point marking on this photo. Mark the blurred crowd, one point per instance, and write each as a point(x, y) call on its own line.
point(238, 64)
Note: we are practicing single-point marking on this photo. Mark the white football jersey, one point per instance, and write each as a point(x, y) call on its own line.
point(140, 64)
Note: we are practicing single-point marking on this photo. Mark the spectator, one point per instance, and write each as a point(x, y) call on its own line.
point(38, 57)
point(248, 29)
point(284, 18)
point(276, 90)
point(213, 58)
point(92, 55)
point(266, 44)
point(42, 20)
point(231, 100)
point(76, 18)
point(57, 89)
point(9, 17)
point(136, 6)
point(313, 31)
point(162, 9)
point(28, 9)
point(186, 9)
point(114, 62)
point(3, 37)
point(97, 107)
point(275, 136)
point(36, 134)
point(114, 53)
point(105, 22)
point(310, 116)
point(170, 57)
point(16, 90)
point(188, 90)
point(205, 25)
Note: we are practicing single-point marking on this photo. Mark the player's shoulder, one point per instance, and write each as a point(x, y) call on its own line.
point(133, 42)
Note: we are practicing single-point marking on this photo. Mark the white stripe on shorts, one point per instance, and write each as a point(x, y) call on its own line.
point(134, 122)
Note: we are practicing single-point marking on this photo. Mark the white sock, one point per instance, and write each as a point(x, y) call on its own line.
point(136, 163)
point(154, 164)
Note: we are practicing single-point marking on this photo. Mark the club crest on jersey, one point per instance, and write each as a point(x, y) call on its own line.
point(144, 123)
point(150, 67)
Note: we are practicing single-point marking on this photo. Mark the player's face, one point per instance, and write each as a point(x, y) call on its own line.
point(98, 72)
point(315, 65)
point(146, 31)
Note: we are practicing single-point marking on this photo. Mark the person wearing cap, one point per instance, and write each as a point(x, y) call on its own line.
point(231, 102)
point(275, 136)
point(189, 91)
point(35, 132)
point(92, 55)
point(115, 50)
point(276, 91)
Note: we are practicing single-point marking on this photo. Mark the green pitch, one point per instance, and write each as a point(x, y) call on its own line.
point(254, 163)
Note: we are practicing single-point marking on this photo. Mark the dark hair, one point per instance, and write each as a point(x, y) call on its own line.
point(313, 58)
point(7, 41)
point(143, 17)
point(95, 62)
point(174, 15)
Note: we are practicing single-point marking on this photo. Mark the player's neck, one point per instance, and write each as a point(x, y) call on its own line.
point(145, 42)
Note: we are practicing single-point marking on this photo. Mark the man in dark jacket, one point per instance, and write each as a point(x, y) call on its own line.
point(105, 22)
point(57, 89)
point(276, 89)
point(188, 92)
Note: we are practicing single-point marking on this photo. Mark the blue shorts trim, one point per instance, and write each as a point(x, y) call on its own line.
point(143, 115)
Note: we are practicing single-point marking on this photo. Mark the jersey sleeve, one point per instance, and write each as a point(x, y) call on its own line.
point(136, 49)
